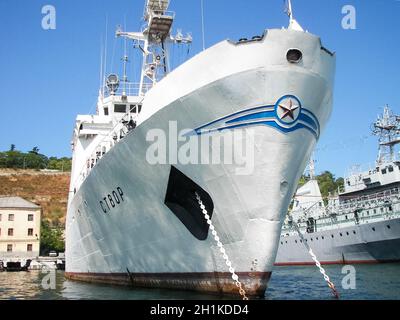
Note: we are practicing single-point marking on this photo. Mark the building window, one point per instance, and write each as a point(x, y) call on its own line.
point(0, 231)
point(10, 217)
point(29, 247)
point(9, 248)
point(0, 216)
point(30, 232)
point(10, 232)
point(30, 217)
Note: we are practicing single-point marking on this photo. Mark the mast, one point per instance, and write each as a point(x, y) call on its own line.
point(311, 167)
point(153, 42)
point(293, 24)
point(387, 128)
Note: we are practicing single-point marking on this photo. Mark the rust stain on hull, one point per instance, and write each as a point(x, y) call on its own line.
point(255, 283)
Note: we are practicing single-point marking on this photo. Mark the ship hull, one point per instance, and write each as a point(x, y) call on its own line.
point(142, 241)
point(377, 242)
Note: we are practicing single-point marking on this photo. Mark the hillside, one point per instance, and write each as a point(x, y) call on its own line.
point(48, 189)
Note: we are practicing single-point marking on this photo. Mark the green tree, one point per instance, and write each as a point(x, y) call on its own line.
point(51, 239)
point(14, 159)
point(34, 150)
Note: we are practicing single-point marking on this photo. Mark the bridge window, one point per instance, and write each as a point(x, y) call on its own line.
point(135, 108)
point(383, 171)
point(390, 169)
point(120, 108)
point(106, 111)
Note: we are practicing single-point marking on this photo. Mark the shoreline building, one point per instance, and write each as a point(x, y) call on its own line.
point(19, 228)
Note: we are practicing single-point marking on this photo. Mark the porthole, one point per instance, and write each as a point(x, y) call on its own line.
point(388, 226)
point(294, 55)
point(373, 228)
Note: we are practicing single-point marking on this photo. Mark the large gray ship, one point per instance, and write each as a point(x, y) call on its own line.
point(361, 224)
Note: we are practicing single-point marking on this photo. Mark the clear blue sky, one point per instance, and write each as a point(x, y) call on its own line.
point(48, 77)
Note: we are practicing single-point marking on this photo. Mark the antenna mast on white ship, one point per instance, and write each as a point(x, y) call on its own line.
point(387, 129)
point(153, 42)
point(293, 24)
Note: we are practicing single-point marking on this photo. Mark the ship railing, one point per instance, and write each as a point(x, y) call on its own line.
point(389, 199)
point(128, 89)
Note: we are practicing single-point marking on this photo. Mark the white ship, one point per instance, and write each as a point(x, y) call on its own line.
point(138, 223)
point(360, 224)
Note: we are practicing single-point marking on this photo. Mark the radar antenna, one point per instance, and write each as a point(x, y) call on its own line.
point(387, 128)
